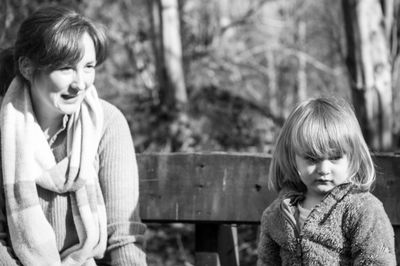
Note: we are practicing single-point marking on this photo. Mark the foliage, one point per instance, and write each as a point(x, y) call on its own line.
point(243, 62)
point(170, 245)
point(242, 68)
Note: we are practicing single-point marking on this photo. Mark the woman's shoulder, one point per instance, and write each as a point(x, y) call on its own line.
point(112, 115)
point(115, 126)
point(110, 109)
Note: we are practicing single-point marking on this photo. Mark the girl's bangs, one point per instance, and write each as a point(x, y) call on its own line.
point(322, 137)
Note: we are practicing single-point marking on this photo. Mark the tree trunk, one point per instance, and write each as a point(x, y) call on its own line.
point(272, 81)
point(172, 47)
point(167, 46)
point(393, 12)
point(370, 70)
point(301, 72)
point(154, 7)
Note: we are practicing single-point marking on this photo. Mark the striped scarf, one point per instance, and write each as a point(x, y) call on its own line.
point(27, 161)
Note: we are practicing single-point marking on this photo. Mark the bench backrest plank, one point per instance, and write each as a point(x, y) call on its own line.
point(229, 188)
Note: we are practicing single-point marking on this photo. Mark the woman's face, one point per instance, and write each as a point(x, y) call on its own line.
point(62, 91)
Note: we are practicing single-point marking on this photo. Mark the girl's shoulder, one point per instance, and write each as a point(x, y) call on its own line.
point(366, 218)
point(273, 209)
point(283, 195)
point(363, 199)
point(363, 205)
point(270, 214)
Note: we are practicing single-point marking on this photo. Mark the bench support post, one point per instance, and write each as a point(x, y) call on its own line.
point(216, 245)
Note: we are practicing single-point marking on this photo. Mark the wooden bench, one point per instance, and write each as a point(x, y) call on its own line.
point(217, 190)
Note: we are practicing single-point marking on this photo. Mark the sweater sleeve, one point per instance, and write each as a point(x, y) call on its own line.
point(268, 249)
point(372, 236)
point(119, 181)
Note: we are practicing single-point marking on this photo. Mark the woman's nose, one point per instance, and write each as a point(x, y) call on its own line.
point(77, 84)
point(76, 87)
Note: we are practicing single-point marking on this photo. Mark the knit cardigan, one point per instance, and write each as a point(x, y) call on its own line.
point(349, 227)
point(119, 181)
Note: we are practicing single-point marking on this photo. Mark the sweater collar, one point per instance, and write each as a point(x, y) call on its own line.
point(293, 197)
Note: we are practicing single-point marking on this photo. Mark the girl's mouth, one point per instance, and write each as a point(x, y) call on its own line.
point(323, 181)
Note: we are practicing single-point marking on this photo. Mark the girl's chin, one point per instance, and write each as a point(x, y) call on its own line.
point(323, 189)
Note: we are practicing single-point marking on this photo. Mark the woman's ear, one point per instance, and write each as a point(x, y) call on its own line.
point(26, 68)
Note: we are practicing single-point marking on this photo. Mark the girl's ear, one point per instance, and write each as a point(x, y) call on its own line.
point(26, 68)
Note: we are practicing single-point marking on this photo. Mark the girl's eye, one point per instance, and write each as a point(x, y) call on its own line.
point(310, 159)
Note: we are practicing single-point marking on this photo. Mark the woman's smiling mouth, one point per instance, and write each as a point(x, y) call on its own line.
point(70, 96)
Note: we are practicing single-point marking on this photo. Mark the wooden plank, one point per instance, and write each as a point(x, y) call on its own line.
point(387, 185)
point(203, 187)
point(397, 242)
point(229, 188)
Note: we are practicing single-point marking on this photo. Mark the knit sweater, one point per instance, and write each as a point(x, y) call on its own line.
point(118, 177)
point(349, 227)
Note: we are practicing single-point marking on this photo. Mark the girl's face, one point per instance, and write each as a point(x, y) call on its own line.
point(62, 91)
point(321, 175)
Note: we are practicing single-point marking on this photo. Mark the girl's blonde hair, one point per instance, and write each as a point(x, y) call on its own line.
point(320, 128)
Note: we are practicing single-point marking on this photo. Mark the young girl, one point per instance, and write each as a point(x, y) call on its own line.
point(325, 214)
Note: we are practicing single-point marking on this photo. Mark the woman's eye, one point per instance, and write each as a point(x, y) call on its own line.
point(65, 68)
point(91, 65)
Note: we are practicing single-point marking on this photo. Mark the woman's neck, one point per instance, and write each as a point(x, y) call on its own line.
point(50, 128)
point(49, 123)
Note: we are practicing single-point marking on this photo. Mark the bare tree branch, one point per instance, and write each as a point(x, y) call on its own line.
point(243, 20)
point(308, 58)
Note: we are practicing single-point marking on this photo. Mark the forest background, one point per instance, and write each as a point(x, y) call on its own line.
point(222, 75)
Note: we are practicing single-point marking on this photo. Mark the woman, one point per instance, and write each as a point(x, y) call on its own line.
point(69, 183)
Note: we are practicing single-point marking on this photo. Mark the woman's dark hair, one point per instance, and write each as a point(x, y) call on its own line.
point(7, 69)
point(50, 38)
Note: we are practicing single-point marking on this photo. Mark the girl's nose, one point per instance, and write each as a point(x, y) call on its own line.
point(323, 167)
